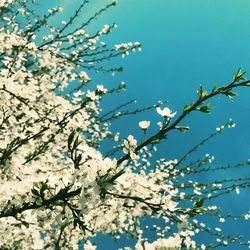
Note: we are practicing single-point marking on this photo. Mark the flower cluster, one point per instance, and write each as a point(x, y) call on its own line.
point(129, 147)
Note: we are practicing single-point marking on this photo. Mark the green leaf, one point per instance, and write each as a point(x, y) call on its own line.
point(201, 92)
point(70, 139)
point(195, 211)
point(229, 93)
point(156, 141)
point(26, 224)
point(35, 192)
point(187, 108)
point(205, 108)
point(199, 203)
point(158, 138)
point(43, 187)
point(78, 160)
point(37, 184)
point(238, 76)
point(183, 128)
point(62, 192)
point(76, 143)
point(215, 87)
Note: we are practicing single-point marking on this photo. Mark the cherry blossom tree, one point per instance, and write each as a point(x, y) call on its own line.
point(57, 186)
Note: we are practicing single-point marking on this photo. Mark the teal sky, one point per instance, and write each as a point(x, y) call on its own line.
point(185, 43)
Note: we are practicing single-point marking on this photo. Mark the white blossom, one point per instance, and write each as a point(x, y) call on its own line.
point(101, 89)
point(166, 112)
point(144, 124)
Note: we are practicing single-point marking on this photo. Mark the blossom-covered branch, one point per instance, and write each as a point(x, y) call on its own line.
point(57, 187)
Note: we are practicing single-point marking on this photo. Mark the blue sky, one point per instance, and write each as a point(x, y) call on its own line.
point(185, 43)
